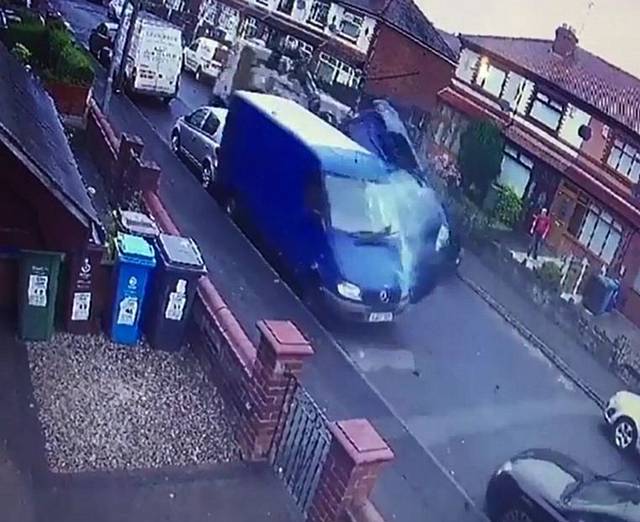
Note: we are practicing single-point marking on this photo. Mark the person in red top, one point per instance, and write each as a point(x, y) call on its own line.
point(539, 231)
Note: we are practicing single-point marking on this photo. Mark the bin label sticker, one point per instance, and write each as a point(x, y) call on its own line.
point(81, 306)
point(177, 302)
point(127, 311)
point(37, 290)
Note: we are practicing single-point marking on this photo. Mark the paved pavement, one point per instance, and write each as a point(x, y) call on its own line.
point(452, 386)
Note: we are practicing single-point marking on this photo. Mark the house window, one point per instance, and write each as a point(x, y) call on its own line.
point(491, 78)
point(546, 111)
point(292, 43)
point(286, 6)
point(574, 119)
point(319, 14)
point(330, 70)
point(351, 26)
point(249, 28)
point(263, 2)
point(595, 229)
point(348, 76)
point(516, 170)
point(625, 158)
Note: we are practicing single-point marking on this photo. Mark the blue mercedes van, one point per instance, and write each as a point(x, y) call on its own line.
point(352, 230)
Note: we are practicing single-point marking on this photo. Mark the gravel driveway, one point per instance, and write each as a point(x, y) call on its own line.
point(105, 406)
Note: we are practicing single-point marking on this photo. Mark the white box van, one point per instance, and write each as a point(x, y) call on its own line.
point(154, 60)
point(205, 57)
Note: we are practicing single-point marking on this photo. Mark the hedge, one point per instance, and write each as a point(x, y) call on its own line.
point(53, 51)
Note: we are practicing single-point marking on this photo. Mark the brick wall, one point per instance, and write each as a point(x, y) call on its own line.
point(405, 71)
point(253, 381)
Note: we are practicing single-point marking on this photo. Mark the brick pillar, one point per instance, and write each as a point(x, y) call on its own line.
point(281, 351)
point(356, 456)
point(148, 176)
point(130, 150)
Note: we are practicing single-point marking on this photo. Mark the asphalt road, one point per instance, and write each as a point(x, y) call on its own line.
point(452, 386)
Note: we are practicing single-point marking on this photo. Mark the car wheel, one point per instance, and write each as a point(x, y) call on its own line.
point(515, 515)
point(175, 142)
point(625, 434)
point(207, 175)
point(198, 73)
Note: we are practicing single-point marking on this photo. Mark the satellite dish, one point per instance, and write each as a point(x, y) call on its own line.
point(584, 132)
point(505, 106)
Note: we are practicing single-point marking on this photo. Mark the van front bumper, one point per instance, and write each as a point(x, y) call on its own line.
point(359, 312)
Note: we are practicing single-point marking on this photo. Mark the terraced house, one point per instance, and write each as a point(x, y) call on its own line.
point(572, 127)
point(387, 47)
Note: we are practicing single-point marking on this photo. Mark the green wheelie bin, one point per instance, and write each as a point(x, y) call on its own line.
point(37, 291)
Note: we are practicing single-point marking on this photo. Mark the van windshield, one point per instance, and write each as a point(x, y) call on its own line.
point(365, 207)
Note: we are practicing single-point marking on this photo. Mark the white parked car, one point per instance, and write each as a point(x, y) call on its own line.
point(197, 137)
point(205, 57)
point(622, 413)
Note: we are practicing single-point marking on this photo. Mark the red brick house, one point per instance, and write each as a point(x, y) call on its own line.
point(572, 127)
point(384, 48)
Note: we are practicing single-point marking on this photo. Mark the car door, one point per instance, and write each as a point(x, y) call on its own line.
point(206, 146)
point(191, 132)
point(190, 54)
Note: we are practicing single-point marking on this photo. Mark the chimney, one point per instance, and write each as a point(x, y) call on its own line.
point(566, 41)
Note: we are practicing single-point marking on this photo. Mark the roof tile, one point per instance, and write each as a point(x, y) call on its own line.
point(586, 76)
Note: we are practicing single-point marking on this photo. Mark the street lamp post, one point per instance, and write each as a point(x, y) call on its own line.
point(118, 58)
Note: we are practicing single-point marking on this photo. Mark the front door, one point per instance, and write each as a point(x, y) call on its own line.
point(539, 193)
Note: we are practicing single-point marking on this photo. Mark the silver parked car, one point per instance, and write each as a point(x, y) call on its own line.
point(197, 137)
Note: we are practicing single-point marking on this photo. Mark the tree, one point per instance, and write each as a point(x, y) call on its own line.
point(480, 157)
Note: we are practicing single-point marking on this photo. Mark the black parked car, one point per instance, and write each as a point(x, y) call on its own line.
point(542, 485)
point(101, 41)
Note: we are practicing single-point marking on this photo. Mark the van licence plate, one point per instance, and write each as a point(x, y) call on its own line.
point(380, 317)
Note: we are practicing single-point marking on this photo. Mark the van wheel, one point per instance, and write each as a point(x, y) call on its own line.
point(198, 73)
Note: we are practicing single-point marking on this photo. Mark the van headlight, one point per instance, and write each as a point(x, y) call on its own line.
point(350, 291)
point(443, 238)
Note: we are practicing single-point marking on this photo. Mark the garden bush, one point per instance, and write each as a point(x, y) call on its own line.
point(73, 67)
point(32, 35)
point(508, 207)
point(52, 50)
point(550, 274)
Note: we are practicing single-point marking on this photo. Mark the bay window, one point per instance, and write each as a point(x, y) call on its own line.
point(330, 70)
point(319, 14)
point(516, 170)
point(491, 78)
point(595, 229)
point(351, 26)
point(625, 158)
point(546, 110)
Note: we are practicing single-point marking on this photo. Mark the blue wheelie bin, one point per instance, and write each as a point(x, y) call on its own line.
point(180, 265)
point(134, 265)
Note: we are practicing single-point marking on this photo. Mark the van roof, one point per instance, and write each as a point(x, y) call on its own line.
point(311, 129)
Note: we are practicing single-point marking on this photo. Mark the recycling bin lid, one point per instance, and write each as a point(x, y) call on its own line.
point(136, 249)
point(181, 252)
point(137, 223)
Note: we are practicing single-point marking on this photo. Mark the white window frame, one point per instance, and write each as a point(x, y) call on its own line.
point(630, 153)
point(514, 155)
point(586, 237)
point(483, 80)
point(354, 19)
point(315, 10)
point(542, 101)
